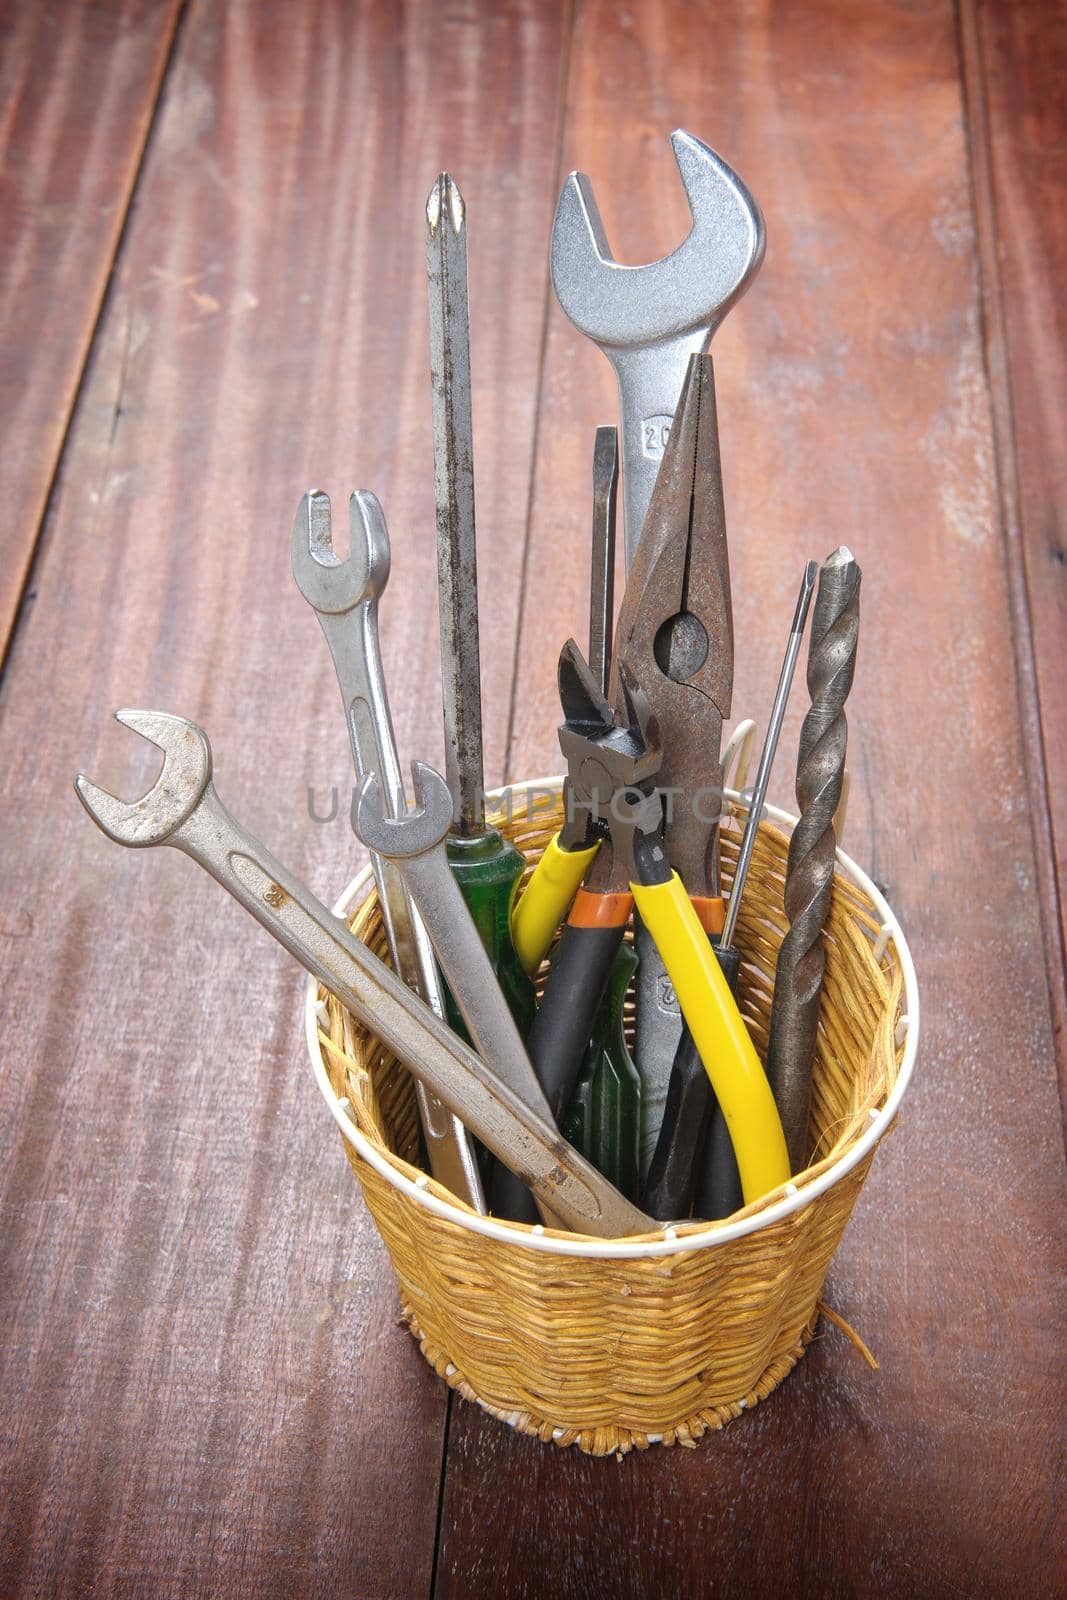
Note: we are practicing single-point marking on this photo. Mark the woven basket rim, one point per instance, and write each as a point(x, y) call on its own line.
point(672, 1242)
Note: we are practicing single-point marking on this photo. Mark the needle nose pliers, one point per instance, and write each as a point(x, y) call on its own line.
point(674, 636)
point(671, 684)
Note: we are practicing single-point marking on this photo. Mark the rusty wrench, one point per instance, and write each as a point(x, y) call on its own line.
point(183, 809)
point(649, 320)
point(345, 595)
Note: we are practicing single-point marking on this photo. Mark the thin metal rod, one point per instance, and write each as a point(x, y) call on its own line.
point(770, 745)
point(602, 569)
point(453, 460)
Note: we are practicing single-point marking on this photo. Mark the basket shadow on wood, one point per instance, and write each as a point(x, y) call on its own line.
point(615, 1354)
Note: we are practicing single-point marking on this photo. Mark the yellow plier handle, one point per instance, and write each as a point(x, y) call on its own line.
point(720, 1035)
point(546, 899)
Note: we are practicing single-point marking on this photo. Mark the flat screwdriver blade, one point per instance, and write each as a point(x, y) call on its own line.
point(602, 566)
point(453, 455)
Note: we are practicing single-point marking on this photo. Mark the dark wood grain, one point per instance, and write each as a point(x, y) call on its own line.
point(1015, 62)
point(78, 86)
point(854, 406)
point(203, 1388)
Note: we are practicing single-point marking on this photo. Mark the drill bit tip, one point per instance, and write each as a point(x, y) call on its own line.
point(840, 558)
point(445, 201)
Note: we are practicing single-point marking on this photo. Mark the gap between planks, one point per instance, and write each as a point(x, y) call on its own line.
point(997, 359)
point(21, 588)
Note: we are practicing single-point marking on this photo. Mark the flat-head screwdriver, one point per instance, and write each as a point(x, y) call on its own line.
point(603, 1117)
point(569, 854)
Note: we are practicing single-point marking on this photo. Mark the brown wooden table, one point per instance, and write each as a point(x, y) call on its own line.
point(213, 296)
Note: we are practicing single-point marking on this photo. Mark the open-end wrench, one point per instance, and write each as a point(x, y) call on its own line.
point(414, 844)
point(183, 809)
point(345, 594)
point(649, 320)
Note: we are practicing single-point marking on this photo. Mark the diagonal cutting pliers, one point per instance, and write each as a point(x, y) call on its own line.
point(612, 763)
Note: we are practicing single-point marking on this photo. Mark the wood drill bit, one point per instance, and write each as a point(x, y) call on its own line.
point(809, 875)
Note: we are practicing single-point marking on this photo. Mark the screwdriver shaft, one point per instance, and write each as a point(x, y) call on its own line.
point(453, 455)
point(770, 746)
point(602, 569)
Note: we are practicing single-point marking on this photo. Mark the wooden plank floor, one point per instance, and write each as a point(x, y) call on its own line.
point(203, 1389)
point(78, 86)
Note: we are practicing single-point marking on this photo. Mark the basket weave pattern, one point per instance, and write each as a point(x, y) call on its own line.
point(613, 1354)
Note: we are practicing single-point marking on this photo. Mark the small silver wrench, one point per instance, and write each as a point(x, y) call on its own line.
point(414, 844)
point(345, 595)
point(649, 320)
point(183, 809)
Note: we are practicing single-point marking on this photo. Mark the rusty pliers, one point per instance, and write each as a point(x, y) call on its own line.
point(612, 764)
point(609, 802)
point(613, 761)
point(675, 637)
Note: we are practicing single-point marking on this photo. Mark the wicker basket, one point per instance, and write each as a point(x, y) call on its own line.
point(617, 1344)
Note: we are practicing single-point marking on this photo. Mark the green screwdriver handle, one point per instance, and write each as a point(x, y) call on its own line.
point(487, 869)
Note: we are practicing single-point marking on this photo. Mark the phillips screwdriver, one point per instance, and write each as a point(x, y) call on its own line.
point(486, 867)
point(694, 1150)
point(718, 1184)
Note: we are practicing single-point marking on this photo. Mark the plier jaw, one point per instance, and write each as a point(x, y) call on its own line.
point(675, 631)
point(605, 754)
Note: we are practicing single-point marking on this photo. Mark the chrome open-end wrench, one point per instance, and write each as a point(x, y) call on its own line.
point(183, 809)
point(649, 320)
point(414, 845)
point(345, 595)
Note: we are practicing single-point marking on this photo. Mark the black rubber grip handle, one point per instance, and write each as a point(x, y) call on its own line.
point(558, 1038)
point(678, 1161)
point(717, 1190)
point(566, 1016)
point(671, 1176)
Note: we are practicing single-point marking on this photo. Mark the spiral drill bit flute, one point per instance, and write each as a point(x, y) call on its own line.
point(809, 876)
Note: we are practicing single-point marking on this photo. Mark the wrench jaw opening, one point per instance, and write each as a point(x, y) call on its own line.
point(333, 584)
point(416, 831)
point(173, 797)
point(626, 307)
point(649, 320)
point(724, 209)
